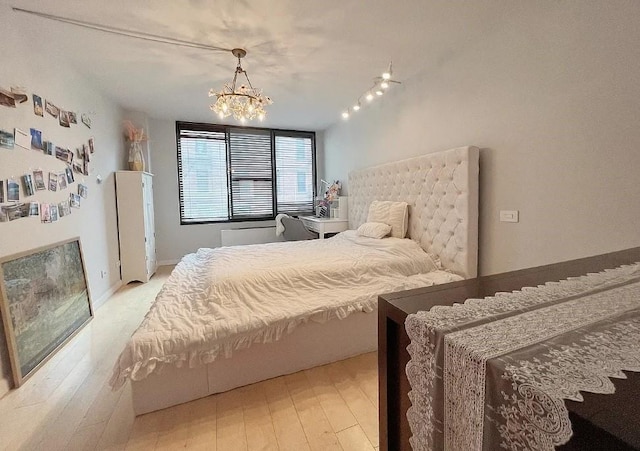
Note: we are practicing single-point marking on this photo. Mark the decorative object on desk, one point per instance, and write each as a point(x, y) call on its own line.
point(135, 137)
point(243, 102)
point(45, 302)
point(333, 190)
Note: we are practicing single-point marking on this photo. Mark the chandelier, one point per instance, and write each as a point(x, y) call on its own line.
point(244, 102)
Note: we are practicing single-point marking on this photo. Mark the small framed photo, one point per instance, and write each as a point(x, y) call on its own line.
point(83, 190)
point(2, 191)
point(34, 209)
point(48, 147)
point(74, 200)
point(64, 118)
point(53, 181)
point(91, 145)
point(51, 109)
point(13, 191)
point(38, 180)
point(37, 106)
point(36, 139)
point(6, 139)
point(73, 118)
point(62, 181)
point(54, 212)
point(27, 184)
point(86, 120)
point(69, 173)
point(45, 213)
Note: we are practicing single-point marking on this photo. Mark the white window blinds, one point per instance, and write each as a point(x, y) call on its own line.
point(294, 169)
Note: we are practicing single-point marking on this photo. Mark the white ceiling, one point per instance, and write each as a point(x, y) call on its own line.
point(313, 57)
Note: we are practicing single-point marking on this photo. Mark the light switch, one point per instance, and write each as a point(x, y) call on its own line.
point(509, 216)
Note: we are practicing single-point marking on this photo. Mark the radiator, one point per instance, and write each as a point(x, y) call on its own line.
point(254, 235)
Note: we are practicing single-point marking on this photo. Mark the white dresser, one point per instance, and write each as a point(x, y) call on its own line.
point(136, 230)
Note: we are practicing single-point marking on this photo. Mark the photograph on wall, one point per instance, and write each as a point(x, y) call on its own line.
point(34, 209)
point(38, 180)
point(53, 210)
point(86, 120)
point(13, 191)
point(48, 147)
point(85, 153)
point(73, 118)
point(64, 209)
point(7, 99)
point(74, 200)
point(85, 167)
point(2, 191)
point(16, 211)
point(83, 190)
point(22, 138)
point(36, 139)
point(37, 106)
point(64, 118)
point(45, 213)
point(77, 167)
point(27, 185)
point(19, 94)
point(6, 139)
point(62, 181)
point(91, 145)
point(53, 181)
point(51, 108)
point(69, 173)
point(46, 301)
point(61, 154)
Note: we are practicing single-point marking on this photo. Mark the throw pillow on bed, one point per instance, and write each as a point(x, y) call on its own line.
point(374, 230)
point(396, 214)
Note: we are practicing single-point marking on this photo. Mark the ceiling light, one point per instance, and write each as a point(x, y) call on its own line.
point(380, 84)
point(243, 102)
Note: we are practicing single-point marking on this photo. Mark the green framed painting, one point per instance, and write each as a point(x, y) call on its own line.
point(45, 302)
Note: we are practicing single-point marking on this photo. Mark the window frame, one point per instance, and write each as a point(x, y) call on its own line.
point(226, 129)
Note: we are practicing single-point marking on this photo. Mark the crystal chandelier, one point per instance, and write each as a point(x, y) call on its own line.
point(244, 102)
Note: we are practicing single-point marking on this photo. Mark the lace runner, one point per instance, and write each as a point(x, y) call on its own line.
point(494, 373)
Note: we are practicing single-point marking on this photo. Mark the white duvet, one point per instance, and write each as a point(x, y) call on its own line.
point(220, 300)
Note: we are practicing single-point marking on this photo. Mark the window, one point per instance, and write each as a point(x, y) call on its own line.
point(239, 174)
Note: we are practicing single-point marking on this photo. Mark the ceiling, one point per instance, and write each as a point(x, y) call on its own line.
point(313, 57)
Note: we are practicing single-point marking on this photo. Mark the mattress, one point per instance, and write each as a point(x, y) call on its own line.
point(218, 301)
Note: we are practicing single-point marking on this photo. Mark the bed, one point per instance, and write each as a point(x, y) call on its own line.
point(228, 317)
point(600, 419)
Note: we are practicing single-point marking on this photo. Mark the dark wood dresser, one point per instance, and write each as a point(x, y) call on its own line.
point(601, 422)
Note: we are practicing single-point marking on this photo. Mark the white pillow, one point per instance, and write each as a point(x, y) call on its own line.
point(396, 214)
point(374, 230)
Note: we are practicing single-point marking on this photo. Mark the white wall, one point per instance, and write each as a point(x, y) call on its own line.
point(173, 240)
point(95, 221)
point(552, 98)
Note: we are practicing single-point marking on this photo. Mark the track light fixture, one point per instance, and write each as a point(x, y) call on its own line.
point(380, 85)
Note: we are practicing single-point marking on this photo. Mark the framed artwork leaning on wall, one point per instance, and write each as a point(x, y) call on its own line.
point(44, 302)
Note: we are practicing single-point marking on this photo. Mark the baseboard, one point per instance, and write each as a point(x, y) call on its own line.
point(107, 294)
point(169, 262)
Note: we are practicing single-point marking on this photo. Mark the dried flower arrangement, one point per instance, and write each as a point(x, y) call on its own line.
point(134, 134)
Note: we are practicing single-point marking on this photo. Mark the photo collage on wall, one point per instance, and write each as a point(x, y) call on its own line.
point(18, 194)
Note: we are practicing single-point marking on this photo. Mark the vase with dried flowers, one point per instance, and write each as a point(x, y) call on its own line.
point(135, 137)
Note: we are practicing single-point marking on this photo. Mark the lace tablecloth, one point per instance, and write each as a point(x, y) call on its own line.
point(494, 373)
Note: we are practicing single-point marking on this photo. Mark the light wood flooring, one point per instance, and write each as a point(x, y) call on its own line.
point(68, 405)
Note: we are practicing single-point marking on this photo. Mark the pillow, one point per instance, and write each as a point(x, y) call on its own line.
point(396, 214)
point(374, 230)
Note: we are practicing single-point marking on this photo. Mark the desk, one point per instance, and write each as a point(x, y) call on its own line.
point(325, 225)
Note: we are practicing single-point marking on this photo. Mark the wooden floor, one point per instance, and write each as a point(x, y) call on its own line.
point(68, 405)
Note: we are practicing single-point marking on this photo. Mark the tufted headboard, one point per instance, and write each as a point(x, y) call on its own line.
point(442, 192)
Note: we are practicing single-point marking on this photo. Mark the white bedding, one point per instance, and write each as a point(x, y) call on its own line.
point(220, 300)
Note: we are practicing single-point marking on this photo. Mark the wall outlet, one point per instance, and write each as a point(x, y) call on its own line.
point(509, 216)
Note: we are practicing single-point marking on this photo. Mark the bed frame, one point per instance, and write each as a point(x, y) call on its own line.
point(442, 192)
